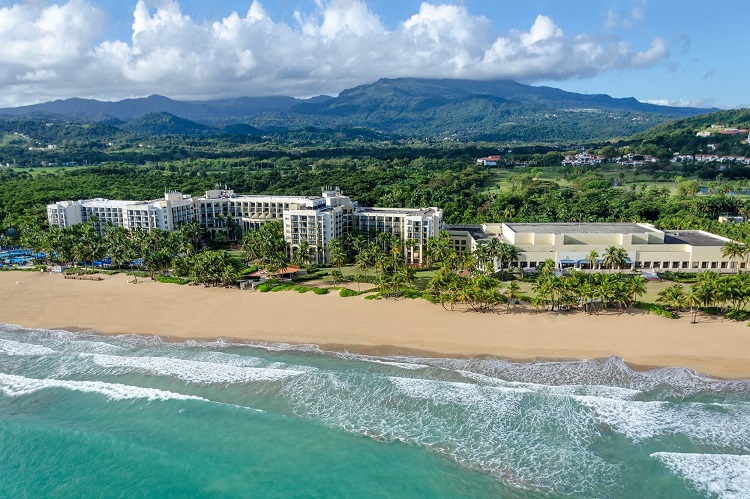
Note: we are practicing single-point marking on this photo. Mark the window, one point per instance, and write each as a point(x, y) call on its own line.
point(704, 265)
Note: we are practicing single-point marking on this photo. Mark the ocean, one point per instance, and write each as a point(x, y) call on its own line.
point(85, 415)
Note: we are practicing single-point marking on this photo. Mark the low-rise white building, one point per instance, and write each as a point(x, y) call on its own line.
point(571, 244)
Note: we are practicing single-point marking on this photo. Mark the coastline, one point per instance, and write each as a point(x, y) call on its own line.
point(714, 346)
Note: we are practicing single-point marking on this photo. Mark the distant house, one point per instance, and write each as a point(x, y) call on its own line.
point(488, 161)
point(731, 219)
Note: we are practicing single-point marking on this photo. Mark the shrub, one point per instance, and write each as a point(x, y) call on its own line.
point(345, 292)
point(309, 277)
point(281, 287)
point(411, 293)
point(265, 287)
point(369, 279)
point(320, 291)
point(738, 315)
point(656, 310)
point(303, 289)
point(376, 296)
point(171, 280)
point(138, 273)
point(248, 270)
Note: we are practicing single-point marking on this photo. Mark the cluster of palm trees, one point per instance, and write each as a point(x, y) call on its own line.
point(710, 290)
point(468, 278)
point(153, 250)
point(382, 253)
point(590, 292)
point(266, 247)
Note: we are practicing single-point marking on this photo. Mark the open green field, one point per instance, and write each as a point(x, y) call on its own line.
point(623, 176)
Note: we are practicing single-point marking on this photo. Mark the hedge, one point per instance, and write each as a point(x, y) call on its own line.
point(656, 310)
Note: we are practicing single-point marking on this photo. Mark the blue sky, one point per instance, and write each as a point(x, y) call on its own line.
point(679, 52)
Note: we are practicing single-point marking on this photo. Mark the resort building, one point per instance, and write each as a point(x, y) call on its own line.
point(165, 214)
point(413, 226)
point(570, 244)
point(315, 219)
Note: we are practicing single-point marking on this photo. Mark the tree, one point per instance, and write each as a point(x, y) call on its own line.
point(511, 293)
point(672, 297)
point(338, 255)
point(592, 258)
point(614, 257)
point(734, 251)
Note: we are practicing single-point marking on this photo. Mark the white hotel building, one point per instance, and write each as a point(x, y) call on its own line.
point(316, 219)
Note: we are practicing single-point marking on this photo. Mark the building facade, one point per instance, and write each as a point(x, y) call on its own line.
point(571, 244)
point(315, 219)
point(414, 226)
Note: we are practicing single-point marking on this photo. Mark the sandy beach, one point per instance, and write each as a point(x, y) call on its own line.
point(113, 306)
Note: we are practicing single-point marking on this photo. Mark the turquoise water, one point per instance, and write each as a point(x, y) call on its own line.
point(88, 415)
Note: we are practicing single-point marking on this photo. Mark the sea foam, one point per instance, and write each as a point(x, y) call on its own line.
point(724, 475)
point(192, 371)
point(10, 347)
point(14, 386)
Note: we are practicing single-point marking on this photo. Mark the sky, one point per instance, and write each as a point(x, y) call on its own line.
point(673, 52)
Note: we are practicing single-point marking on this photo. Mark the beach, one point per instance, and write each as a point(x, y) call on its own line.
point(714, 346)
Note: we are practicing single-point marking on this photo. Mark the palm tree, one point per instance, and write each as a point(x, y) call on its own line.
point(592, 258)
point(511, 293)
point(734, 250)
point(338, 255)
point(672, 297)
point(614, 257)
point(636, 287)
point(692, 300)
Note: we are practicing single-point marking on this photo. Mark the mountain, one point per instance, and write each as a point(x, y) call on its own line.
point(222, 110)
point(734, 118)
point(499, 110)
point(702, 134)
point(166, 124)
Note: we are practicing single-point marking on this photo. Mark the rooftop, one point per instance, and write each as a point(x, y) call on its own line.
point(693, 238)
point(580, 228)
point(475, 231)
point(398, 211)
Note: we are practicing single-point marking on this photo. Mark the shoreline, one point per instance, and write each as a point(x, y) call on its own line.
point(715, 347)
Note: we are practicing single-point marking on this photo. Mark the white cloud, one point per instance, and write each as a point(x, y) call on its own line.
point(704, 103)
point(49, 51)
point(630, 19)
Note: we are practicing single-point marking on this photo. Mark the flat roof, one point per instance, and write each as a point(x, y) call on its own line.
point(475, 231)
point(692, 237)
point(395, 211)
point(579, 228)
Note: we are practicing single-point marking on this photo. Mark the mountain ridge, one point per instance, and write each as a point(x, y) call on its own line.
point(493, 110)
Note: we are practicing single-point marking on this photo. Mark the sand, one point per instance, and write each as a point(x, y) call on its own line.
point(715, 347)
